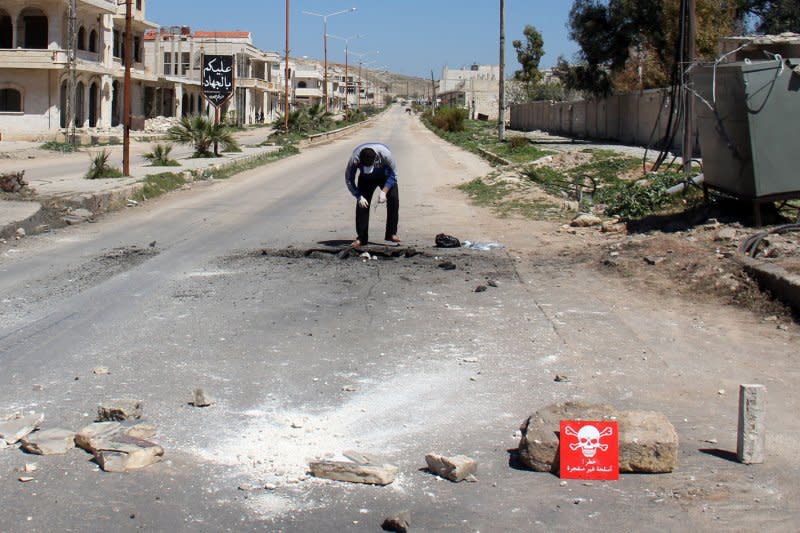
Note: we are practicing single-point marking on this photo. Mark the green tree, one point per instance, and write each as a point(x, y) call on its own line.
point(529, 54)
point(774, 16)
point(627, 44)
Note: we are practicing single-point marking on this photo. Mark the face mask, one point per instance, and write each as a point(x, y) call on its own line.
point(368, 170)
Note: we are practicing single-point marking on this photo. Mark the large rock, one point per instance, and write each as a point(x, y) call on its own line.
point(648, 442)
point(49, 442)
point(11, 431)
point(353, 472)
point(88, 437)
point(123, 453)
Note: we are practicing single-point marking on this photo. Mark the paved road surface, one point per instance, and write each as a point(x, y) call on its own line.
point(310, 356)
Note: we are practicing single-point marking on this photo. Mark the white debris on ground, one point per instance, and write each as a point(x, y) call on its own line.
point(159, 124)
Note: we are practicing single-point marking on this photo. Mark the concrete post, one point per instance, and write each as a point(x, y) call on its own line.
point(752, 424)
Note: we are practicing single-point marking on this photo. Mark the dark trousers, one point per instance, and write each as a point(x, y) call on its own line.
point(367, 188)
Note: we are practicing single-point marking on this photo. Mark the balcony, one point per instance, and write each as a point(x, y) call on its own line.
point(33, 59)
point(308, 93)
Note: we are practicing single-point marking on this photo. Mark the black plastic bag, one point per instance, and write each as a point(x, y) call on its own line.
point(447, 241)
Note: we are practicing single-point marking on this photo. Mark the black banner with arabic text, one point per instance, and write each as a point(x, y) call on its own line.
point(217, 78)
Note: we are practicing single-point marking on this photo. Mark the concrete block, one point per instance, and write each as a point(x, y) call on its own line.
point(751, 439)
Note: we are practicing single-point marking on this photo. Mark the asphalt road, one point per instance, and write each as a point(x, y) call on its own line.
point(310, 356)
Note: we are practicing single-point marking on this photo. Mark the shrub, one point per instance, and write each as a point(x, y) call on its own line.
point(517, 141)
point(203, 133)
point(99, 168)
point(159, 156)
point(450, 119)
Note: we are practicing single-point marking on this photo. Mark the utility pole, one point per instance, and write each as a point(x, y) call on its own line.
point(72, 43)
point(433, 92)
point(501, 120)
point(286, 76)
point(126, 137)
point(688, 124)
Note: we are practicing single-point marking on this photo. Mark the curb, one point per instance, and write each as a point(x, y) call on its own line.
point(783, 285)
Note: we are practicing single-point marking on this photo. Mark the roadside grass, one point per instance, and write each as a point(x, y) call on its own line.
point(56, 146)
point(158, 184)
point(481, 136)
point(606, 184)
point(505, 200)
point(236, 168)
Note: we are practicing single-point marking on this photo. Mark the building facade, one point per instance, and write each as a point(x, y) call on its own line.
point(37, 64)
point(476, 89)
point(175, 55)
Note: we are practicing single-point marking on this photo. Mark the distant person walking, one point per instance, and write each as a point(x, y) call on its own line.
point(376, 169)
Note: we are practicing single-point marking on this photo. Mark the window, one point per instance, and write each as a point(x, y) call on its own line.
point(116, 46)
point(5, 31)
point(93, 41)
point(137, 56)
point(185, 62)
point(167, 63)
point(10, 101)
point(82, 38)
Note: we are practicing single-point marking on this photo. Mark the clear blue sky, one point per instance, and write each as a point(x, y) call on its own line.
point(412, 37)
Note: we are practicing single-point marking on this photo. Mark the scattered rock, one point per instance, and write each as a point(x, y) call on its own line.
point(492, 283)
point(585, 220)
point(725, 234)
point(13, 182)
point(654, 259)
point(480, 288)
point(118, 410)
point(25, 479)
point(11, 431)
point(560, 378)
point(398, 523)
point(614, 227)
point(20, 233)
point(455, 468)
point(123, 453)
point(49, 442)
point(200, 399)
point(447, 265)
point(354, 473)
point(77, 216)
point(100, 370)
point(648, 442)
point(141, 431)
point(91, 435)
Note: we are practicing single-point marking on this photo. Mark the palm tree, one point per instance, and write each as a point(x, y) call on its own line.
point(202, 133)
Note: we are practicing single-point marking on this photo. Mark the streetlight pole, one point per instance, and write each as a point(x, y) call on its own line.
point(286, 76)
point(126, 132)
point(325, 46)
point(346, 78)
point(501, 120)
point(361, 56)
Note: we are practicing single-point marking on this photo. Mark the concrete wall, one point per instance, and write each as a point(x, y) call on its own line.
point(40, 103)
point(635, 118)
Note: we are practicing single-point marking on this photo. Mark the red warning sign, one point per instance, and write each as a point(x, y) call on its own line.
point(589, 450)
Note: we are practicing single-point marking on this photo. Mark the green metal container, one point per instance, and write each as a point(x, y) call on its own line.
point(750, 129)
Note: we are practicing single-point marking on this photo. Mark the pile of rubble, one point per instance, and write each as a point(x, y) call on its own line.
point(159, 124)
point(117, 439)
point(13, 182)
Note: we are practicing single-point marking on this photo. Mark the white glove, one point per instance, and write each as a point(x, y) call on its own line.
point(382, 198)
point(362, 202)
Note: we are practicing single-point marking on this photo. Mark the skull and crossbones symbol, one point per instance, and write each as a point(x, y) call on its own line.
point(588, 439)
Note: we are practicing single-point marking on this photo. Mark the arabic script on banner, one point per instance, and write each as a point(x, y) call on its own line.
point(217, 78)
